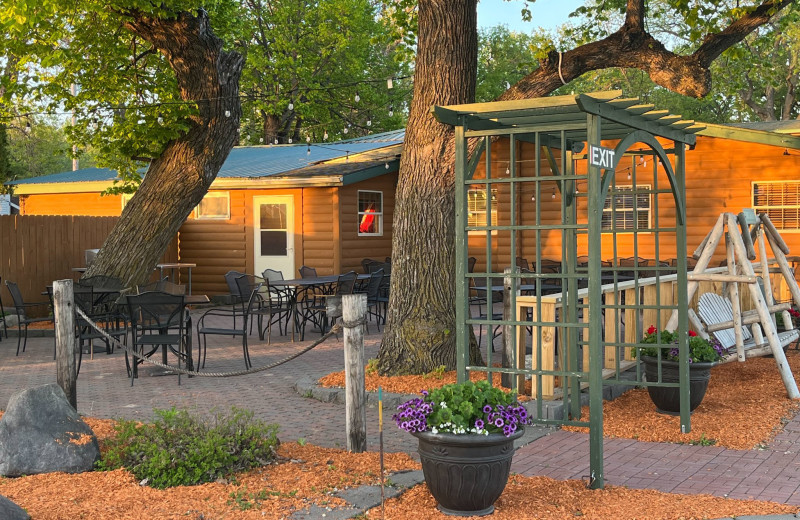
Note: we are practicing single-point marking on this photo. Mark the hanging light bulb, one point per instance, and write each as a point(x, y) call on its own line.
point(553, 196)
point(260, 139)
point(629, 175)
point(248, 137)
point(391, 110)
point(227, 113)
point(369, 122)
point(508, 170)
point(389, 84)
point(533, 198)
point(291, 105)
point(28, 127)
point(325, 136)
point(387, 165)
point(160, 120)
point(347, 157)
point(346, 129)
point(308, 150)
point(276, 140)
point(357, 97)
point(308, 138)
point(290, 140)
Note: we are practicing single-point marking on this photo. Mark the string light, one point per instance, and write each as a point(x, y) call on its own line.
point(160, 120)
point(391, 110)
point(387, 164)
point(389, 84)
point(369, 121)
point(308, 138)
point(553, 196)
point(290, 140)
point(308, 150)
point(533, 198)
point(276, 140)
point(291, 104)
point(28, 127)
point(357, 97)
point(325, 136)
point(260, 139)
point(346, 129)
point(227, 113)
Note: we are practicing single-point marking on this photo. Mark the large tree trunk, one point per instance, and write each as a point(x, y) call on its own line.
point(176, 181)
point(420, 327)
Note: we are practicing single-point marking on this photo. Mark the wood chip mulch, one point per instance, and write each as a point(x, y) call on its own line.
point(745, 407)
point(545, 498)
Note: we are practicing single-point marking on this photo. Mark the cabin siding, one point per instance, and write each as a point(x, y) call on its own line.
point(355, 248)
point(87, 203)
point(318, 232)
point(719, 176)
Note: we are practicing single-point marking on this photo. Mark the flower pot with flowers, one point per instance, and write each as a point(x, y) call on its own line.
point(703, 355)
point(466, 434)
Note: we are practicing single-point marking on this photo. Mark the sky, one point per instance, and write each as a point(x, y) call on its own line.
point(546, 13)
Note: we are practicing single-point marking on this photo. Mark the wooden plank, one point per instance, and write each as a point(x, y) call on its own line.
point(611, 326)
point(633, 329)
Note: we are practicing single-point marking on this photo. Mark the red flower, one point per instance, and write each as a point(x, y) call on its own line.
point(692, 333)
point(794, 313)
point(652, 329)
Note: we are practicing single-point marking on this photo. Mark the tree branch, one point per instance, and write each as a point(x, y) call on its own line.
point(632, 47)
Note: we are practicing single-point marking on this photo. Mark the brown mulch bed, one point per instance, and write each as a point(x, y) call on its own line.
point(745, 406)
point(305, 475)
point(543, 497)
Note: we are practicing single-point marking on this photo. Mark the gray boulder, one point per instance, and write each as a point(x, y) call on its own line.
point(11, 511)
point(41, 433)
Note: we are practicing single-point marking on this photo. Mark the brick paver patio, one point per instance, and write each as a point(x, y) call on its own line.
point(104, 391)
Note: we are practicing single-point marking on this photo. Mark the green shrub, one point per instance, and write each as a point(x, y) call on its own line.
point(182, 449)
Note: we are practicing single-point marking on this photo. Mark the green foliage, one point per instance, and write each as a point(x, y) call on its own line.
point(703, 441)
point(372, 366)
point(182, 449)
point(504, 57)
point(700, 350)
point(436, 373)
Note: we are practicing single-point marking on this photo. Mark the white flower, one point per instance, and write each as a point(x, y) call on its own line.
point(443, 404)
point(434, 430)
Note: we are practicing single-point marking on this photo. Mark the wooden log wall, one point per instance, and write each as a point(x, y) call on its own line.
point(719, 176)
point(37, 249)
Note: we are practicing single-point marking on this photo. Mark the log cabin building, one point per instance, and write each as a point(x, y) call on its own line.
point(279, 207)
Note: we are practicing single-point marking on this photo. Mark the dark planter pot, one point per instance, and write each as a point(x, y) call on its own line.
point(466, 474)
point(667, 400)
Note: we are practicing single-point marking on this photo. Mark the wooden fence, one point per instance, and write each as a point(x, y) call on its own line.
point(37, 249)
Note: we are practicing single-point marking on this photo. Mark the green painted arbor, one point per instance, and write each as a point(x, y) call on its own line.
point(565, 130)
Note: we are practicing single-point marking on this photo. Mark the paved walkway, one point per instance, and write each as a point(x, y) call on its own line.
point(104, 391)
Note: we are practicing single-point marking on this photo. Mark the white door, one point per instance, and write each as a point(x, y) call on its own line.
point(274, 229)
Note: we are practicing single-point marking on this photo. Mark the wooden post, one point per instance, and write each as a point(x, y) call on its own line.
point(66, 368)
point(354, 312)
point(509, 344)
point(733, 292)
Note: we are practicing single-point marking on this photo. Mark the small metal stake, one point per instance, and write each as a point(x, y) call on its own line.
point(380, 438)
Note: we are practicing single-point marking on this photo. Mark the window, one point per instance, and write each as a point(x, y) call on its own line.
point(780, 200)
point(476, 205)
point(215, 205)
point(620, 206)
point(370, 213)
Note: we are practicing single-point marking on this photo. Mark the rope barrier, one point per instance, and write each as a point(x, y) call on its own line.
point(334, 330)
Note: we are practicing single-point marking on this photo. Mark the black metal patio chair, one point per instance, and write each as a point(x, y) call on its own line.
point(159, 320)
point(224, 314)
point(23, 318)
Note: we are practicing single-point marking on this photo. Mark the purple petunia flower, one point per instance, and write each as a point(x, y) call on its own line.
point(487, 408)
point(498, 422)
point(479, 424)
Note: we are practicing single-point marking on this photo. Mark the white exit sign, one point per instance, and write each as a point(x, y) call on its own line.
point(600, 156)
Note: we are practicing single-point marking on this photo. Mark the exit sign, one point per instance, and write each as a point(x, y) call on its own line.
point(601, 157)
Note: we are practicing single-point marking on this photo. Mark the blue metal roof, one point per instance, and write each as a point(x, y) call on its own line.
point(254, 161)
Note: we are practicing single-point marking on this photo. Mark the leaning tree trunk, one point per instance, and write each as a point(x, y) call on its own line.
point(176, 181)
point(420, 326)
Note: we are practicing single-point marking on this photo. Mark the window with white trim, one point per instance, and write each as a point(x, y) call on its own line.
point(370, 213)
point(625, 209)
point(477, 205)
point(216, 205)
point(780, 200)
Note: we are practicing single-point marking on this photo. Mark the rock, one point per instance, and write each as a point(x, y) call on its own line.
point(41, 433)
point(11, 511)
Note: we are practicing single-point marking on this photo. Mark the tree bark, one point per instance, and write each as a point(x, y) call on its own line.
point(176, 181)
point(419, 334)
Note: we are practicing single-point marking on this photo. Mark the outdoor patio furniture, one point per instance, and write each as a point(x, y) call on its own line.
point(223, 314)
point(2, 314)
point(23, 319)
point(307, 272)
point(316, 310)
point(281, 295)
point(94, 304)
point(158, 319)
point(372, 290)
point(522, 263)
point(369, 265)
point(274, 309)
point(162, 285)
